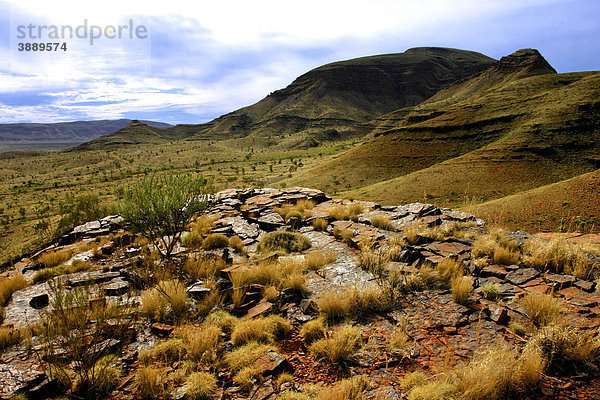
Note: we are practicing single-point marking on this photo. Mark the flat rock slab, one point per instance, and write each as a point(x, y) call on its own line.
point(522, 275)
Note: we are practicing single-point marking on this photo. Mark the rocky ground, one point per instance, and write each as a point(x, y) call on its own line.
point(443, 333)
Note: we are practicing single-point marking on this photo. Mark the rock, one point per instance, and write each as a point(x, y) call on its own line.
point(522, 275)
point(33, 267)
point(262, 308)
point(309, 306)
point(117, 287)
point(92, 278)
point(450, 330)
point(560, 281)
point(499, 315)
point(39, 301)
point(160, 329)
point(580, 298)
point(198, 291)
point(264, 391)
point(270, 221)
point(586, 286)
point(271, 363)
point(497, 271)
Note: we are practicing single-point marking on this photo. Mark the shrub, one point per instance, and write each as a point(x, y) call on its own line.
point(261, 330)
point(150, 382)
point(382, 221)
point(313, 330)
point(462, 288)
point(566, 348)
point(193, 240)
point(283, 241)
point(318, 258)
point(490, 291)
point(542, 309)
point(221, 319)
point(201, 343)
point(237, 244)
point(215, 241)
point(10, 285)
point(200, 386)
point(245, 355)
point(340, 346)
point(160, 207)
point(346, 389)
point(320, 224)
point(167, 299)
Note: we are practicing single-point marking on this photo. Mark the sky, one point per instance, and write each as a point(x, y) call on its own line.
point(192, 61)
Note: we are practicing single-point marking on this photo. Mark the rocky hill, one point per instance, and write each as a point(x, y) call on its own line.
point(333, 98)
point(279, 290)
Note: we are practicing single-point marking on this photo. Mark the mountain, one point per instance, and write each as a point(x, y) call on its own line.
point(77, 131)
point(516, 126)
point(330, 100)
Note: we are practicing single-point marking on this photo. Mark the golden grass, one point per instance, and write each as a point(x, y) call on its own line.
point(399, 342)
point(412, 380)
point(346, 389)
point(382, 221)
point(201, 343)
point(346, 212)
point(245, 355)
point(318, 258)
point(287, 242)
point(301, 209)
point(339, 346)
point(335, 306)
point(215, 241)
point(9, 337)
point(490, 291)
point(434, 390)
point(292, 395)
point(542, 309)
point(504, 256)
point(320, 224)
point(245, 377)
point(413, 232)
point(313, 330)
point(150, 382)
point(237, 244)
point(170, 350)
point(53, 258)
point(566, 348)
point(167, 297)
point(201, 267)
point(260, 330)
point(462, 288)
point(10, 285)
point(345, 235)
point(560, 256)
point(450, 269)
point(48, 273)
point(200, 386)
point(221, 319)
point(271, 294)
point(372, 299)
point(106, 375)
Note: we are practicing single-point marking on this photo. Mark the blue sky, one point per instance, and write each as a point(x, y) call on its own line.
point(203, 59)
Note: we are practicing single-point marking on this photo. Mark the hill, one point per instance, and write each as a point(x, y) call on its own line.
point(516, 126)
point(332, 99)
point(76, 131)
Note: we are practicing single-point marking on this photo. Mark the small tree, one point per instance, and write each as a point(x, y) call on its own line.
point(160, 207)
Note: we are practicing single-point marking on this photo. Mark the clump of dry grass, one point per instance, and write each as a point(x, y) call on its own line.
point(245, 355)
point(201, 343)
point(215, 241)
point(170, 350)
point(345, 235)
point(462, 288)
point(287, 242)
point(560, 256)
point(318, 258)
point(450, 269)
point(339, 346)
point(201, 267)
point(271, 294)
point(497, 247)
point(10, 285)
point(200, 386)
point(260, 330)
point(150, 382)
point(237, 244)
point(320, 224)
point(542, 309)
point(300, 209)
point(426, 277)
point(9, 337)
point(335, 306)
point(399, 342)
point(53, 258)
point(383, 221)
point(167, 299)
point(346, 389)
point(313, 330)
point(490, 291)
point(434, 390)
point(346, 212)
point(566, 348)
point(373, 299)
point(414, 232)
point(221, 319)
point(48, 273)
point(412, 380)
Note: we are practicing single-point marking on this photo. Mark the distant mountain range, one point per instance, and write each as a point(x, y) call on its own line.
point(77, 131)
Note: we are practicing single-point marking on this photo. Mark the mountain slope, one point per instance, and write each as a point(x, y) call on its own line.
point(334, 98)
point(510, 124)
point(76, 131)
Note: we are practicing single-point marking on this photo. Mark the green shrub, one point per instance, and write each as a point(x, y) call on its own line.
point(287, 242)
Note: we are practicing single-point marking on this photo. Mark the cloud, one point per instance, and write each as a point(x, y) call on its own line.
point(203, 59)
